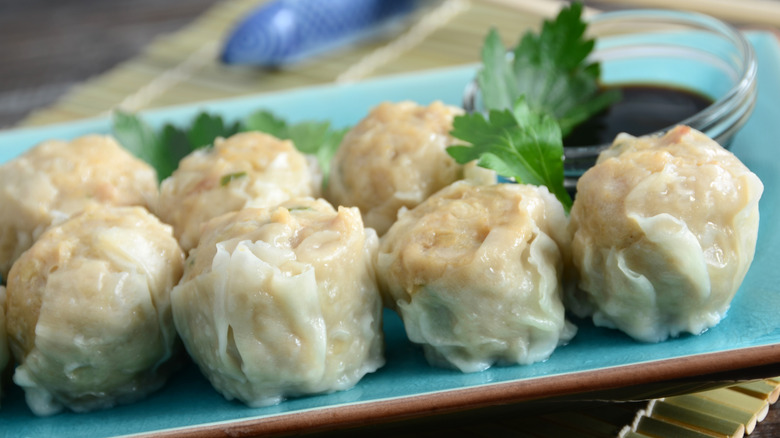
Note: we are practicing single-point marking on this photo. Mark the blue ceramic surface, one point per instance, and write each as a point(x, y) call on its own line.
point(285, 31)
point(188, 400)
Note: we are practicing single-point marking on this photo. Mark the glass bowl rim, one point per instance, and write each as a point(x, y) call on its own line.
point(739, 97)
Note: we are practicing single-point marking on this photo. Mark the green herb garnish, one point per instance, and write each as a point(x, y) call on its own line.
point(534, 99)
point(291, 209)
point(164, 149)
point(518, 143)
point(226, 179)
point(143, 142)
point(550, 69)
point(208, 127)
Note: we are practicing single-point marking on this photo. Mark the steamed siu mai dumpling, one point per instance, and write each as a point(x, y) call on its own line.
point(664, 230)
point(475, 274)
point(57, 179)
point(5, 354)
point(282, 302)
point(249, 169)
point(396, 157)
point(89, 317)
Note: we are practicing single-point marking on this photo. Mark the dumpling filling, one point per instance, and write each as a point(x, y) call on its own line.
point(5, 354)
point(396, 157)
point(89, 315)
point(664, 231)
point(475, 274)
point(282, 302)
point(56, 179)
point(249, 169)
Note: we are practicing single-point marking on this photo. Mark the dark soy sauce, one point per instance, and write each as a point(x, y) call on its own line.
point(643, 109)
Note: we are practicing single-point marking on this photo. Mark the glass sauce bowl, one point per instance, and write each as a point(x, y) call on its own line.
point(674, 49)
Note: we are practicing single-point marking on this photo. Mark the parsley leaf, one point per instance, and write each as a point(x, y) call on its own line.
point(176, 140)
point(165, 149)
point(266, 121)
point(320, 140)
point(518, 143)
point(496, 79)
point(550, 69)
point(226, 179)
point(142, 141)
point(206, 128)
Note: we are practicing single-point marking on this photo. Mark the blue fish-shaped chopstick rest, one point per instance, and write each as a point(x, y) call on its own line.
point(285, 31)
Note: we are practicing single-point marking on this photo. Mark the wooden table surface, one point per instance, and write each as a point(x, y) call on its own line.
point(49, 46)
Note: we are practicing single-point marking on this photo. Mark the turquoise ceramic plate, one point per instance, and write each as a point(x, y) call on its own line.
point(597, 359)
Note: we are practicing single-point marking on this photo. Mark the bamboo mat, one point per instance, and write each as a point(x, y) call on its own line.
point(725, 412)
point(182, 68)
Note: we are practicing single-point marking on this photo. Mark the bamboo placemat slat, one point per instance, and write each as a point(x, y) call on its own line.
point(725, 412)
point(183, 67)
point(752, 12)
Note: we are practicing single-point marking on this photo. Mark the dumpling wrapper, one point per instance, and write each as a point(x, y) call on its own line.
point(475, 274)
point(57, 179)
point(89, 317)
point(396, 157)
point(664, 231)
point(282, 302)
point(249, 169)
point(5, 353)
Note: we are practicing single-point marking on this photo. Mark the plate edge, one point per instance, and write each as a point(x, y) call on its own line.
point(571, 387)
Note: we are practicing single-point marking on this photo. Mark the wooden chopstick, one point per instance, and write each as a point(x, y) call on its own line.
point(743, 12)
point(541, 8)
